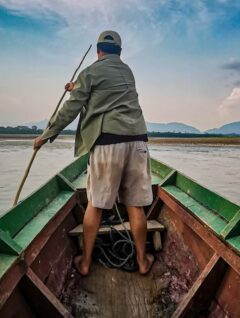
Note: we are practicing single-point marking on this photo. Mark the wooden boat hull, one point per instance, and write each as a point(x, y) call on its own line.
point(197, 272)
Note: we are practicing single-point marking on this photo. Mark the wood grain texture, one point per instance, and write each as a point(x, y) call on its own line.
point(109, 293)
point(199, 297)
point(205, 233)
point(152, 225)
point(40, 298)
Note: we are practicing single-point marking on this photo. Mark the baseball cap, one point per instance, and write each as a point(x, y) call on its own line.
point(110, 37)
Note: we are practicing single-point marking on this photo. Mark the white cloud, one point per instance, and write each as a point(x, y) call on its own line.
point(230, 106)
point(138, 21)
point(141, 23)
point(134, 19)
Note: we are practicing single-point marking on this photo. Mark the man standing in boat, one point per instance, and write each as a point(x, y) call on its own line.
point(112, 129)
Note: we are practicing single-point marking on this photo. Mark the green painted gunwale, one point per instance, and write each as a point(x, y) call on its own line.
point(21, 224)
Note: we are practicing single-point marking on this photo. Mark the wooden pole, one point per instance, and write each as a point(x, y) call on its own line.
point(36, 150)
point(63, 95)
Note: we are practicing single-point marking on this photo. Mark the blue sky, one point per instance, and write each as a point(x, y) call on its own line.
point(185, 55)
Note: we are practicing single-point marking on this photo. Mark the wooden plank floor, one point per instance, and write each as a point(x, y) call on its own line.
point(108, 293)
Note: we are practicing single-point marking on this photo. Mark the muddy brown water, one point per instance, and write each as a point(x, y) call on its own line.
point(214, 166)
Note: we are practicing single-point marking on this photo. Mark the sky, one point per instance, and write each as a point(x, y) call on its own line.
point(185, 55)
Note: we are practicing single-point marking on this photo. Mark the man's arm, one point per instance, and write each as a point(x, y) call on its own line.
point(70, 109)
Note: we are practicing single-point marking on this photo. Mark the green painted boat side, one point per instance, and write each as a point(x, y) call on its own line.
point(21, 224)
point(16, 218)
point(208, 198)
point(8, 245)
point(6, 261)
point(233, 227)
point(214, 210)
point(160, 169)
point(33, 227)
point(75, 169)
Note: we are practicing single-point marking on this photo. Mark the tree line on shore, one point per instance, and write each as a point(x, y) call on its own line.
point(34, 130)
point(25, 130)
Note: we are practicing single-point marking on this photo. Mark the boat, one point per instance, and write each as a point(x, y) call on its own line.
point(196, 243)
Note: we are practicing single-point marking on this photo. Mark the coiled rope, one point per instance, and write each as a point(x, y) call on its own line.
point(116, 249)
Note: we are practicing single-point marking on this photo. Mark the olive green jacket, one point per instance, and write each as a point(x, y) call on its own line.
point(105, 96)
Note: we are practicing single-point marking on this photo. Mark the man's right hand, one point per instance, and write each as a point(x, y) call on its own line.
point(69, 86)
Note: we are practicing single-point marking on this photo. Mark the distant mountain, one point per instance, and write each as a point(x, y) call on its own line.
point(152, 127)
point(172, 127)
point(232, 128)
point(40, 125)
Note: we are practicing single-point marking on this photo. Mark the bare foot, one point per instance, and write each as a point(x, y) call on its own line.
point(145, 267)
point(81, 268)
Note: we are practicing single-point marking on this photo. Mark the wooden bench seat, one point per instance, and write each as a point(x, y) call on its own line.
point(152, 226)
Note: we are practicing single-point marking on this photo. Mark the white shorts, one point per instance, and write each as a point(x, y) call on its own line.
point(119, 171)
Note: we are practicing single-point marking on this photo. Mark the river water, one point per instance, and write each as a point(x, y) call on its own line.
point(214, 166)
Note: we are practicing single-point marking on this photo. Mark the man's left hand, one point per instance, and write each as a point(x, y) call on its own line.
point(38, 142)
